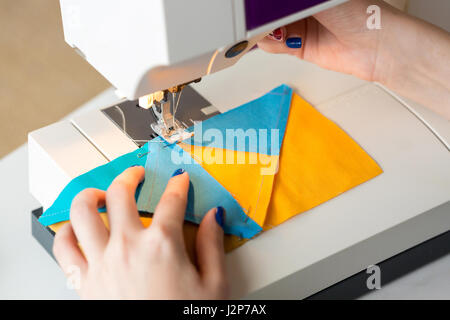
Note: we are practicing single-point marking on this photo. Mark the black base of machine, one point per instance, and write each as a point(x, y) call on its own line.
point(44, 235)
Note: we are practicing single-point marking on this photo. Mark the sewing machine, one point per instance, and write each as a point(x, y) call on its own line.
point(152, 49)
point(155, 52)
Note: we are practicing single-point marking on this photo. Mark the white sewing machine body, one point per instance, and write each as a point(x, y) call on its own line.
point(145, 46)
point(152, 49)
point(403, 207)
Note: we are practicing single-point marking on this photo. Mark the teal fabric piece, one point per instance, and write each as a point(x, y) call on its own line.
point(99, 178)
point(265, 114)
point(204, 191)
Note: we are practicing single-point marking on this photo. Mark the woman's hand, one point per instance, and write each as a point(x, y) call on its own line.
point(406, 54)
point(132, 262)
point(335, 39)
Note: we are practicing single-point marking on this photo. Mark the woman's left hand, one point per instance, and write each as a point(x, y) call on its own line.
point(130, 261)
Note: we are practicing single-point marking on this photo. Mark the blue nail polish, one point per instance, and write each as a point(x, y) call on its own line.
point(178, 172)
point(294, 43)
point(220, 219)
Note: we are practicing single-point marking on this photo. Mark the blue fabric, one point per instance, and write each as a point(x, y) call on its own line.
point(204, 191)
point(99, 178)
point(161, 160)
point(268, 112)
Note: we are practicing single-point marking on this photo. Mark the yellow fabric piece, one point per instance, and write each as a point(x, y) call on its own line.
point(247, 176)
point(318, 162)
point(146, 221)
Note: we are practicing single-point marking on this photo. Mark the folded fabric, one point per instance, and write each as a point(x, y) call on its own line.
point(205, 192)
point(318, 162)
point(240, 148)
point(298, 160)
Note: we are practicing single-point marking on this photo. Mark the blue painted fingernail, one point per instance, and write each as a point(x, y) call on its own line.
point(220, 219)
point(294, 43)
point(178, 172)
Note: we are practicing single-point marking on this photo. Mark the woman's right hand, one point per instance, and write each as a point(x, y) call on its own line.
point(407, 55)
point(336, 39)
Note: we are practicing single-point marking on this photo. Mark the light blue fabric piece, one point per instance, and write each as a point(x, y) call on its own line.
point(99, 178)
point(204, 191)
point(261, 115)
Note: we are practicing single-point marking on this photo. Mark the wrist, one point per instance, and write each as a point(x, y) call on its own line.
point(391, 56)
point(412, 60)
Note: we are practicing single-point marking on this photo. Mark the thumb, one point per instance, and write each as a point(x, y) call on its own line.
point(210, 250)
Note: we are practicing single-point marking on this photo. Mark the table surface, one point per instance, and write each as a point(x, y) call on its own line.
point(27, 272)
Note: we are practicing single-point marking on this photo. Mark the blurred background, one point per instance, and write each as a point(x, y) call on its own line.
point(42, 79)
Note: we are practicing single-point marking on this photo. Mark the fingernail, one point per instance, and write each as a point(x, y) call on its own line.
point(277, 34)
point(178, 172)
point(294, 42)
point(136, 165)
point(220, 216)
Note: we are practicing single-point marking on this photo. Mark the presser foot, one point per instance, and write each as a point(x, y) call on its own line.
point(173, 133)
point(166, 126)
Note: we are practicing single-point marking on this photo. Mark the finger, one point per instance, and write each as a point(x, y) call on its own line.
point(66, 250)
point(171, 208)
point(89, 228)
point(278, 34)
point(292, 40)
point(210, 249)
point(272, 46)
point(121, 203)
point(294, 37)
